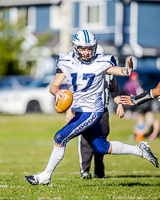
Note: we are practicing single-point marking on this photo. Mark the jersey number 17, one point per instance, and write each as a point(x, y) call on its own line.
point(90, 78)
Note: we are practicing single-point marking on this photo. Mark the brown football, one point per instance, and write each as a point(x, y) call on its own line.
point(65, 102)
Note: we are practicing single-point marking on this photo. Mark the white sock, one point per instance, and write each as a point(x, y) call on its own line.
point(120, 148)
point(56, 156)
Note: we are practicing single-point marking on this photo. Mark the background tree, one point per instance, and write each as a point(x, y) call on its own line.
point(18, 56)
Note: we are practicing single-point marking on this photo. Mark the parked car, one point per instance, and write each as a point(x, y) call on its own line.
point(13, 82)
point(35, 97)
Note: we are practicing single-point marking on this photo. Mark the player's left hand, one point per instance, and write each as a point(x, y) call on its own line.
point(120, 110)
point(129, 66)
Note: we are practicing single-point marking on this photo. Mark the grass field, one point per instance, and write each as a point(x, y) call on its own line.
point(25, 146)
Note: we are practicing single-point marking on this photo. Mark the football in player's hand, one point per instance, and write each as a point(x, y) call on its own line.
point(65, 102)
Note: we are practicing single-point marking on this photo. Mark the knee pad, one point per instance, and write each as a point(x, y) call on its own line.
point(100, 145)
point(60, 139)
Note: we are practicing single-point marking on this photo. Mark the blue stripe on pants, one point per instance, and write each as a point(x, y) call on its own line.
point(80, 123)
point(87, 124)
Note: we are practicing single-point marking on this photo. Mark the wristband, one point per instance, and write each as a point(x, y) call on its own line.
point(125, 72)
point(119, 104)
point(151, 94)
point(142, 98)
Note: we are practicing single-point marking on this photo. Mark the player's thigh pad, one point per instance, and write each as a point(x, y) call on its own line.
point(80, 123)
point(96, 139)
point(100, 145)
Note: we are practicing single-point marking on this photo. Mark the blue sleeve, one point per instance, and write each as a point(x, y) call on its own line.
point(113, 60)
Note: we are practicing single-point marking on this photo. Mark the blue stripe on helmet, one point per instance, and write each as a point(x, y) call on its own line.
point(86, 36)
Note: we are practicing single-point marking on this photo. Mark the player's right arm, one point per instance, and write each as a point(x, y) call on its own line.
point(54, 88)
point(115, 92)
point(156, 91)
point(142, 98)
point(137, 100)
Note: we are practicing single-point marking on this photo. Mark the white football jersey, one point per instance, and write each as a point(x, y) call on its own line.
point(86, 81)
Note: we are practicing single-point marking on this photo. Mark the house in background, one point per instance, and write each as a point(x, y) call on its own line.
point(123, 28)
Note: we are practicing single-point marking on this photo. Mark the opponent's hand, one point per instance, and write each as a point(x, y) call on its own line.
point(156, 91)
point(126, 100)
point(129, 66)
point(120, 110)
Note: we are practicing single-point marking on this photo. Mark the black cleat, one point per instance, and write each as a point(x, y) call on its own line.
point(86, 175)
point(31, 180)
point(101, 177)
point(41, 178)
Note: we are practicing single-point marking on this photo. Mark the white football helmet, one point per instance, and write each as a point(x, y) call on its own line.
point(84, 39)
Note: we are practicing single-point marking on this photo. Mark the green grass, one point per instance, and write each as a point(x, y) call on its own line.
point(25, 146)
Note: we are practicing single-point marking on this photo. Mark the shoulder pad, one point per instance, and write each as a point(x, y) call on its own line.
point(65, 56)
point(106, 58)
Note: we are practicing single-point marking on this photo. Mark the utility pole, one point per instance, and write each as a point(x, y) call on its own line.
point(65, 44)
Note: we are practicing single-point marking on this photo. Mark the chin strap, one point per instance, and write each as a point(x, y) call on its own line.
point(142, 98)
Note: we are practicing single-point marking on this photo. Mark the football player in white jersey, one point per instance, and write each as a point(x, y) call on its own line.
point(111, 88)
point(85, 71)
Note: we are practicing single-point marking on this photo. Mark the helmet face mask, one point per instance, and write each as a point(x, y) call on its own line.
point(84, 41)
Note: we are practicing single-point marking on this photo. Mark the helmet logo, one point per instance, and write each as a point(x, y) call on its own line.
point(75, 37)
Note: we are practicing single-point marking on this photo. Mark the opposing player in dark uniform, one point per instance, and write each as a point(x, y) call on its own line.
point(111, 88)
